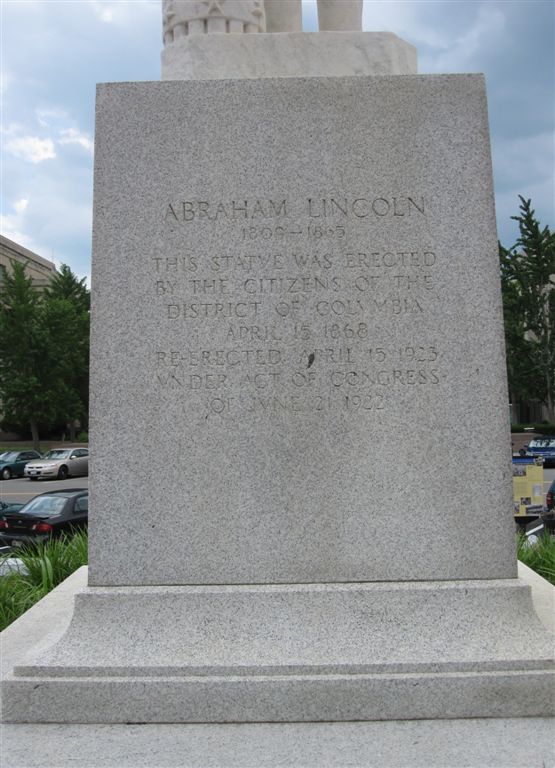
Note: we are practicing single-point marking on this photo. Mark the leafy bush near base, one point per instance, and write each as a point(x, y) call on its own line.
point(544, 429)
point(539, 556)
point(44, 567)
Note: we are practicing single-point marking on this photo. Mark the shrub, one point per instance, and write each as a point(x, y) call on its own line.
point(540, 555)
point(544, 429)
point(540, 429)
point(45, 566)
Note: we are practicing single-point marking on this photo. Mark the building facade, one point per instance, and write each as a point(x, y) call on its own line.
point(40, 270)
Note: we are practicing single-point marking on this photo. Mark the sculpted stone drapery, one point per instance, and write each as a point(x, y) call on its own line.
point(182, 18)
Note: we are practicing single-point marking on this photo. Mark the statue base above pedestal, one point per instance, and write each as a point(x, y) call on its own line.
point(297, 54)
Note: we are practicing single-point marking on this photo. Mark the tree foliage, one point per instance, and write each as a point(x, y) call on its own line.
point(65, 285)
point(44, 350)
point(67, 300)
point(528, 284)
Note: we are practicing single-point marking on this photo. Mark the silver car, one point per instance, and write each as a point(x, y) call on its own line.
point(59, 463)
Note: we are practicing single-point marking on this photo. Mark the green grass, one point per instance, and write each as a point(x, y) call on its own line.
point(48, 564)
point(539, 556)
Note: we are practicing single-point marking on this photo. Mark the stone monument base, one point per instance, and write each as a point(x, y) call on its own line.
point(296, 54)
point(291, 653)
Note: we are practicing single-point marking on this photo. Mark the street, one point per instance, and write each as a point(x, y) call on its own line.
point(23, 489)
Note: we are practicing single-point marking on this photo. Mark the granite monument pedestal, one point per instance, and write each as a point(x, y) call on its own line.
point(298, 359)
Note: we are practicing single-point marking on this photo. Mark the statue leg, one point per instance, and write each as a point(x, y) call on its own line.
point(340, 15)
point(283, 15)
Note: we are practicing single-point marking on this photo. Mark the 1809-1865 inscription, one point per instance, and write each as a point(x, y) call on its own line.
point(282, 314)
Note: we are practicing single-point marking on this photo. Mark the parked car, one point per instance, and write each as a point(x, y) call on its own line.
point(46, 516)
point(12, 463)
point(12, 506)
point(543, 448)
point(60, 463)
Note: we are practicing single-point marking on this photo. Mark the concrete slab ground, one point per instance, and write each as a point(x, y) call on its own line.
point(526, 743)
point(472, 743)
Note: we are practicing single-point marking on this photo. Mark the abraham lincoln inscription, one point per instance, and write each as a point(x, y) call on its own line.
point(295, 307)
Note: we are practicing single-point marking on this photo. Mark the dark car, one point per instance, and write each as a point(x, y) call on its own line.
point(550, 496)
point(46, 516)
point(12, 463)
point(12, 506)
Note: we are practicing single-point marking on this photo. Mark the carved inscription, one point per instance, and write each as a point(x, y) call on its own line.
point(281, 315)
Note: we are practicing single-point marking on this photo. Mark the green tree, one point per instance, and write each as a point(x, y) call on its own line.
point(66, 358)
point(528, 283)
point(67, 305)
point(22, 348)
point(66, 285)
point(44, 351)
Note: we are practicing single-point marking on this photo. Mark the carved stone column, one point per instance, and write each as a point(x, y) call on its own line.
point(283, 16)
point(340, 15)
point(182, 18)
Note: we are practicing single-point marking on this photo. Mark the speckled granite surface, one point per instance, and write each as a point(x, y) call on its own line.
point(297, 345)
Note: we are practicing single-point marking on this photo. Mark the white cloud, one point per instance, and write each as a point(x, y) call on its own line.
point(103, 10)
point(21, 205)
point(49, 223)
point(57, 212)
point(12, 228)
point(12, 129)
point(31, 148)
point(73, 136)
point(404, 18)
point(57, 118)
point(47, 115)
point(123, 12)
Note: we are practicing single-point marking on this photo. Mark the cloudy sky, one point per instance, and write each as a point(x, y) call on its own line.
point(55, 51)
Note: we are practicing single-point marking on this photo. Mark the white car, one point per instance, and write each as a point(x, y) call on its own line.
point(11, 564)
point(59, 463)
